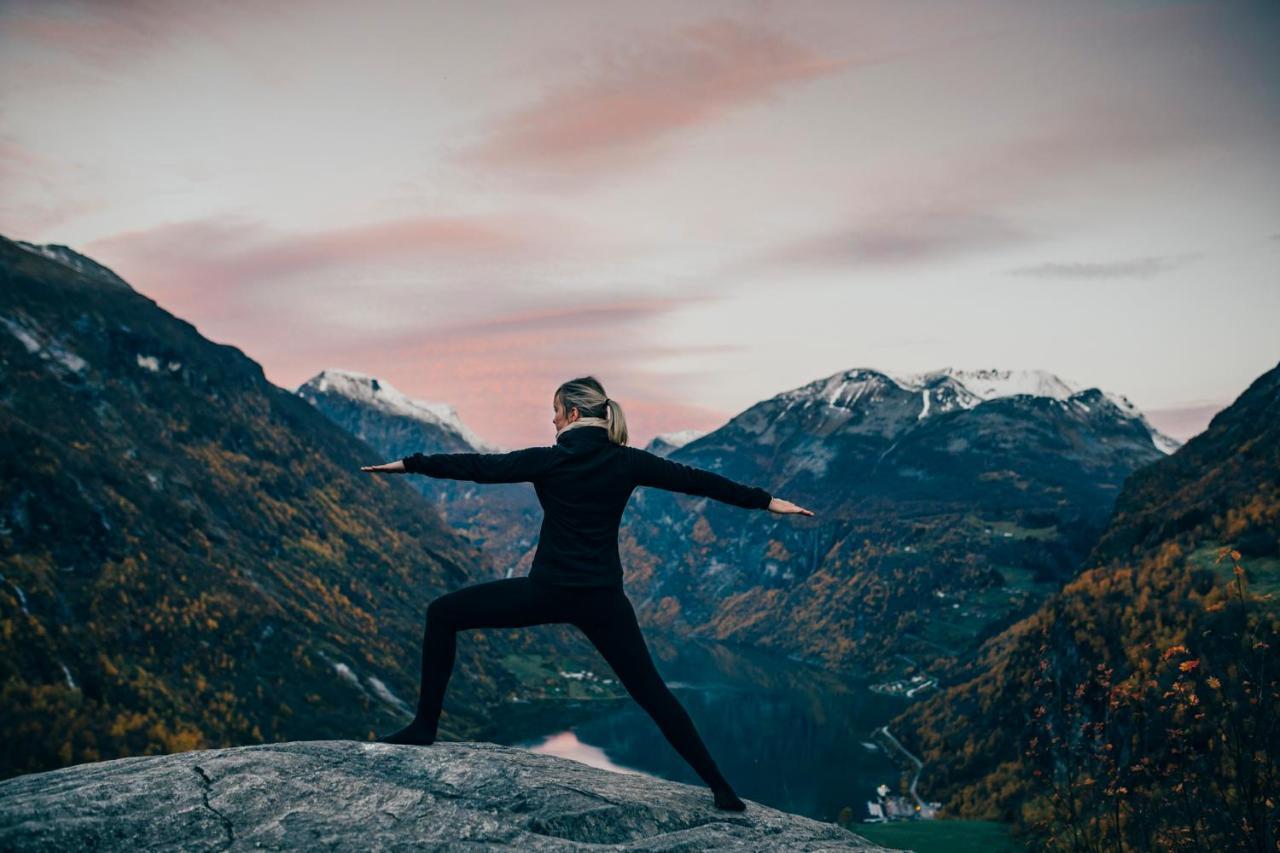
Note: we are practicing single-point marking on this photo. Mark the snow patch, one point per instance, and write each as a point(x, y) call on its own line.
point(347, 675)
point(49, 349)
point(22, 596)
point(150, 362)
point(988, 384)
point(71, 682)
point(384, 693)
point(28, 340)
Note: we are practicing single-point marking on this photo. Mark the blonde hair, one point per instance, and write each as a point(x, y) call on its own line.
point(587, 395)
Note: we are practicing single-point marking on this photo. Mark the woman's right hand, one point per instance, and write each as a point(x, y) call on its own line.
point(782, 507)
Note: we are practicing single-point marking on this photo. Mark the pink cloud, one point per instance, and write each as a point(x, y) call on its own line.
point(508, 400)
point(599, 314)
point(17, 159)
point(496, 366)
point(695, 76)
point(501, 383)
point(211, 268)
point(499, 368)
point(110, 36)
point(39, 192)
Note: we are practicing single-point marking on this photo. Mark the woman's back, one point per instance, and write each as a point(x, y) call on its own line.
point(583, 483)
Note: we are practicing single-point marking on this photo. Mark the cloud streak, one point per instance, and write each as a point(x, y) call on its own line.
point(599, 315)
point(644, 97)
point(903, 237)
point(935, 209)
point(110, 36)
point(1144, 267)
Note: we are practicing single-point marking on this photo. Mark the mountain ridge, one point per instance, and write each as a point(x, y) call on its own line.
point(1154, 594)
point(191, 554)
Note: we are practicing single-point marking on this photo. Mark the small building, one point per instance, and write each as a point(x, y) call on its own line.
point(887, 807)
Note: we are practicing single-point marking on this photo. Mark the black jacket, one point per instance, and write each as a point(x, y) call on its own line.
point(584, 482)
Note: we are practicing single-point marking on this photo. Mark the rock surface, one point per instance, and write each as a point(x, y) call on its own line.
point(355, 795)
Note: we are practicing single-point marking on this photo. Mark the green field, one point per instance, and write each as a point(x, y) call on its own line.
point(1263, 572)
point(941, 836)
point(978, 527)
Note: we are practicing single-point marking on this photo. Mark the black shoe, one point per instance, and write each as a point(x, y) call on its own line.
point(415, 733)
point(726, 799)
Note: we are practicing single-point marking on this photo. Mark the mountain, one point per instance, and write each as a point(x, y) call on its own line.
point(504, 518)
point(86, 267)
point(664, 444)
point(1146, 688)
point(356, 400)
point(190, 556)
point(340, 794)
point(948, 504)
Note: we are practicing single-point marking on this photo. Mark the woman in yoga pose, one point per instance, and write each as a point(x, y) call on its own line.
point(583, 482)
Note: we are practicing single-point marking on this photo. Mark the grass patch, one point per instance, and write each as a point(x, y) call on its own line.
point(978, 526)
point(1263, 572)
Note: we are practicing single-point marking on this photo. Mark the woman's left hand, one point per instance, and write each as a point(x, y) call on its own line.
point(396, 467)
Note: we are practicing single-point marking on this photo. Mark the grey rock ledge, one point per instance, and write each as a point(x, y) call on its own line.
point(356, 795)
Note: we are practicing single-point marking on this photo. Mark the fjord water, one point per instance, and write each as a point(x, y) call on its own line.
point(784, 733)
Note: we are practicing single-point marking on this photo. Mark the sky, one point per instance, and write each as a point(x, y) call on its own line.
point(700, 204)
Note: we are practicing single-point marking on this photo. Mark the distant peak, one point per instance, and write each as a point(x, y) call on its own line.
point(1123, 405)
point(840, 389)
point(73, 260)
point(385, 397)
point(681, 437)
point(669, 442)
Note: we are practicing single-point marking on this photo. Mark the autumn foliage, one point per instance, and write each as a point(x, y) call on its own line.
point(1174, 748)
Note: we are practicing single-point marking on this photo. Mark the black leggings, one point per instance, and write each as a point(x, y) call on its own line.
point(605, 615)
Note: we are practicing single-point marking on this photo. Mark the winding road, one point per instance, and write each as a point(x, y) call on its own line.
point(915, 780)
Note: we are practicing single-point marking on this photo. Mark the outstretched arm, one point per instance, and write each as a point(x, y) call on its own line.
point(649, 469)
point(518, 466)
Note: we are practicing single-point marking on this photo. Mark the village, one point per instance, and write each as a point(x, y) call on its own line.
point(887, 807)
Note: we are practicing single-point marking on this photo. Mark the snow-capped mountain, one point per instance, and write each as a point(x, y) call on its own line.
point(952, 481)
point(893, 403)
point(991, 384)
point(379, 395)
point(503, 516)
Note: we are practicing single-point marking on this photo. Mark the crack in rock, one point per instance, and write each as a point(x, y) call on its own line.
point(206, 787)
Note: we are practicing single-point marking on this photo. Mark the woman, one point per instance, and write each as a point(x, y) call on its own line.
point(583, 482)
